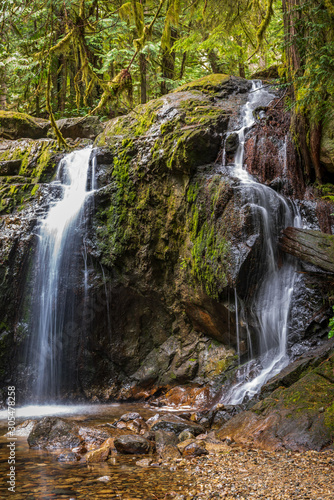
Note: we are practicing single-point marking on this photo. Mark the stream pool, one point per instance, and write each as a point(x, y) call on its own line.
point(40, 476)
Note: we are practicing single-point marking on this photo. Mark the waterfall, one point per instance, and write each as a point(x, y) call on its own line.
point(270, 305)
point(58, 252)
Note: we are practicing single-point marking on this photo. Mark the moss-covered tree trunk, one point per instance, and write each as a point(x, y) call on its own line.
point(308, 27)
point(168, 63)
point(143, 78)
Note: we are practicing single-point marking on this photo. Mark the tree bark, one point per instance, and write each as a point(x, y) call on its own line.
point(168, 63)
point(314, 247)
point(3, 89)
point(143, 78)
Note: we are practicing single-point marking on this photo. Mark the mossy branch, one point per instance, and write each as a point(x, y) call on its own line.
point(263, 26)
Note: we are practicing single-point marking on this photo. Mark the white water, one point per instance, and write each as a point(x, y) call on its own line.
point(57, 243)
point(270, 306)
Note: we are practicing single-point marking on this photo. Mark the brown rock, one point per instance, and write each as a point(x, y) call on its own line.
point(130, 444)
point(194, 450)
point(173, 423)
point(99, 455)
point(145, 462)
point(52, 433)
point(166, 444)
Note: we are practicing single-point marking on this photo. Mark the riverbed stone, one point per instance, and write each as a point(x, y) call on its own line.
point(173, 423)
point(184, 435)
point(132, 444)
point(194, 450)
point(68, 457)
point(94, 437)
point(54, 432)
point(99, 455)
point(166, 444)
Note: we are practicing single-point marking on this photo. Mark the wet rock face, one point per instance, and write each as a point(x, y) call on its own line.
point(298, 414)
point(270, 154)
point(51, 433)
point(231, 143)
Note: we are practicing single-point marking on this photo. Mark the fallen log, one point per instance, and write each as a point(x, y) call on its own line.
point(314, 247)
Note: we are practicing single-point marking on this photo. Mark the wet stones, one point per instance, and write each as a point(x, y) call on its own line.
point(132, 444)
point(172, 423)
point(68, 457)
point(185, 435)
point(166, 444)
point(94, 437)
point(99, 455)
point(194, 450)
point(52, 433)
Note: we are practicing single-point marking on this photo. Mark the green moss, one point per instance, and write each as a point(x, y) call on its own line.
point(329, 417)
point(209, 82)
point(34, 189)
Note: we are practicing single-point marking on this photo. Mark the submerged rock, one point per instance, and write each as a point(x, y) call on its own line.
point(68, 457)
point(99, 455)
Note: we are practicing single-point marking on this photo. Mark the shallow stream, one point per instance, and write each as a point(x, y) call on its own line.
point(40, 476)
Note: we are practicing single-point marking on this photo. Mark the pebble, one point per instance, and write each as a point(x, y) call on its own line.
point(255, 474)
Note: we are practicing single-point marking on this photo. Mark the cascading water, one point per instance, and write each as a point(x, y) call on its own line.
point(58, 243)
point(270, 305)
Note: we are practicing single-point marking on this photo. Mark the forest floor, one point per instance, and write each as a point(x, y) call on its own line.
point(256, 474)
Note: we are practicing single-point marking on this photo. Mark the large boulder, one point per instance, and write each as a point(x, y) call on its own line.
point(131, 445)
point(15, 125)
point(52, 433)
point(87, 127)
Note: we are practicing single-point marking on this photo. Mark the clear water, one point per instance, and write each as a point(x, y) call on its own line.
point(270, 306)
point(58, 239)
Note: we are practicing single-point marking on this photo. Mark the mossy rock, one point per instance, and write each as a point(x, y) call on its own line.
point(299, 417)
point(267, 74)
point(217, 84)
point(209, 82)
point(24, 164)
point(14, 125)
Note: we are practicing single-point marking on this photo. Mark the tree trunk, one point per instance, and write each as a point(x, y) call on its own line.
point(296, 60)
point(3, 89)
point(168, 63)
point(143, 78)
point(214, 62)
point(313, 247)
point(241, 64)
